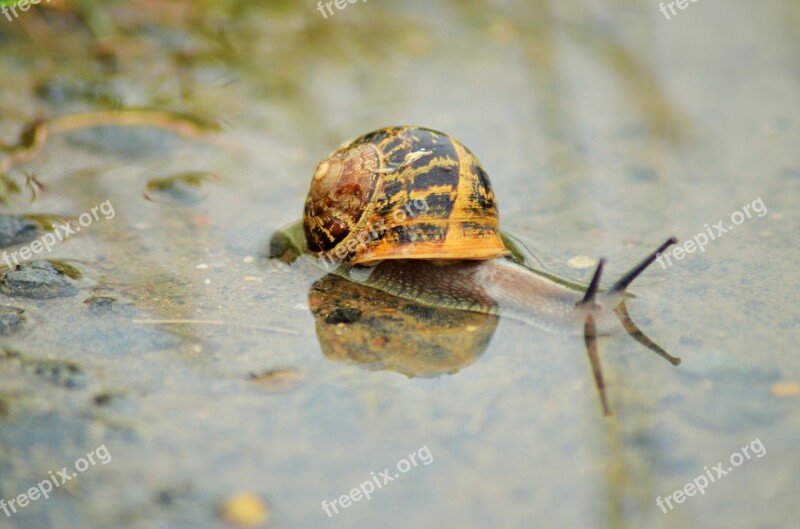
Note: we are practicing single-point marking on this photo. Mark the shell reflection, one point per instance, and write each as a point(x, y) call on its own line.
point(364, 326)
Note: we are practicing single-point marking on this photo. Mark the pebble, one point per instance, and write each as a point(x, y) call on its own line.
point(278, 379)
point(107, 304)
point(245, 509)
point(16, 230)
point(12, 320)
point(183, 188)
point(785, 389)
point(39, 280)
point(582, 261)
point(100, 303)
point(64, 374)
point(642, 174)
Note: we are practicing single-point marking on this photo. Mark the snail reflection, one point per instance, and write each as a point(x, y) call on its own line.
point(365, 326)
point(447, 256)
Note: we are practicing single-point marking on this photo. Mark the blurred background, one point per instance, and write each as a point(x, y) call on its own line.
point(223, 384)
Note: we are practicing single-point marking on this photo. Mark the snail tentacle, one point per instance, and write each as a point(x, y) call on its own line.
point(591, 292)
point(634, 272)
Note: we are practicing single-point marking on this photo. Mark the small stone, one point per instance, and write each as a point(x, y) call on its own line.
point(642, 174)
point(100, 303)
point(582, 261)
point(12, 320)
point(183, 188)
point(16, 230)
point(104, 399)
point(64, 374)
point(278, 379)
point(785, 389)
point(202, 221)
point(245, 509)
point(39, 280)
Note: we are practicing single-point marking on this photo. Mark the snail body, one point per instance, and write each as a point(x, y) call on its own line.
point(496, 286)
point(411, 212)
point(417, 207)
point(500, 286)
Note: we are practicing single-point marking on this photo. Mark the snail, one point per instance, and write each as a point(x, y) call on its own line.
point(411, 212)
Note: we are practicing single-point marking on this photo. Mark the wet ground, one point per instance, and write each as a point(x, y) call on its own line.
point(163, 333)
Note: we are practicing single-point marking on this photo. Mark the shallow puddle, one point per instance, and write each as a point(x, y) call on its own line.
point(227, 387)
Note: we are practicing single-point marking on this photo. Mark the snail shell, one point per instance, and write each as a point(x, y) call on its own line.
point(402, 193)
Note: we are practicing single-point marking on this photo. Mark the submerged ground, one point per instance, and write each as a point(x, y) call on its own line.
point(604, 128)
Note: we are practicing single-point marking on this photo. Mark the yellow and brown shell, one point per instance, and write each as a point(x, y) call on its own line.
point(402, 193)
